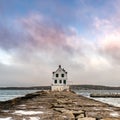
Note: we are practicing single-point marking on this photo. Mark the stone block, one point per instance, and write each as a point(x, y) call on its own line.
point(60, 109)
point(110, 119)
point(69, 115)
point(76, 112)
point(87, 118)
point(80, 116)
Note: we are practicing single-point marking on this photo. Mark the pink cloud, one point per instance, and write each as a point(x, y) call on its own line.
point(112, 49)
point(108, 38)
point(45, 35)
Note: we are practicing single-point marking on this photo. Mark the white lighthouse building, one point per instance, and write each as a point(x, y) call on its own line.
point(59, 80)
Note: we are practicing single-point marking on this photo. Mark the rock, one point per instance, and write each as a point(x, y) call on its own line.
point(65, 101)
point(60, 106)
point(98, 118)
point(69, 115)
point(76, 113)
point(60, 109)
point(87, 118)
point(110, 119)
point(80, 116)
point(55, 105)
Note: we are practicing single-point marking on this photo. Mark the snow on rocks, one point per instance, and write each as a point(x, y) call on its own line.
point(8, 118)
point(22, 112)
point(23, 105)
point(34, 118)
point(115, 114)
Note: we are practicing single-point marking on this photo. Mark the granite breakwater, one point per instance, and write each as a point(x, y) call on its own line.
point(47, 105)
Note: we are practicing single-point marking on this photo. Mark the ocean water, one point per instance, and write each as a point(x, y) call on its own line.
point(10, 94)
point(112, 101)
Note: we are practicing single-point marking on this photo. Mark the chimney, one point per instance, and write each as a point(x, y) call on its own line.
point(59, 66)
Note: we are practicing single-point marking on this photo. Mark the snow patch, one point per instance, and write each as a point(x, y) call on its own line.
point(34, 118)
point(22, 105)
point(22, 112)
point(8, 118)
point(5, 110)
point(115, 114)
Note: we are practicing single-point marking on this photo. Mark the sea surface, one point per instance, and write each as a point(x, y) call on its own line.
point(10, 94)
point(112, 101)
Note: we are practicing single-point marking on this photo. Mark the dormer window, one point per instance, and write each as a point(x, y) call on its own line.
point(57, 75)
point(62, 75)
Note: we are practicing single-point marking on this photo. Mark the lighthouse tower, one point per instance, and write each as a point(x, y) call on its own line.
point(59, 80)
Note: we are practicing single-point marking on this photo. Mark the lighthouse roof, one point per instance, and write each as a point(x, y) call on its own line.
point(60, 69)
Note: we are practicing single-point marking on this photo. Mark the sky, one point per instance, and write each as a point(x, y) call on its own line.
point(83, 36)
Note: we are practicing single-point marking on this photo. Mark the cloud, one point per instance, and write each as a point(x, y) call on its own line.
point(111, 46)
point(47, 38)
point(34, 35)
point(44, 34)
point(40, 44)
point(33, 47)
point(108, 39)
point(27, 75)
point(37, 45)
point(10, 38)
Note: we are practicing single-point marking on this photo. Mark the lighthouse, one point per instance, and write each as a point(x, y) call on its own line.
point(59, 78)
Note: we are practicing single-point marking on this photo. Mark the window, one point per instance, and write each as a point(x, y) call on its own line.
point(64, 81)
point(62, 75)
point(60, 81)
point(55, 81)
point(57, 75)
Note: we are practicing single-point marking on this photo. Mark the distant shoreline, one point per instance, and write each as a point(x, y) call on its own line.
point(26, 88)
point(73, 87)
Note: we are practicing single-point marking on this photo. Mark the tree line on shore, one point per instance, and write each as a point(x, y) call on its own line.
point(72, 87)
